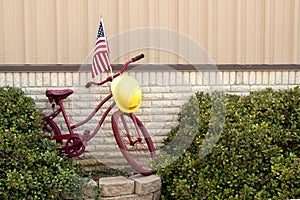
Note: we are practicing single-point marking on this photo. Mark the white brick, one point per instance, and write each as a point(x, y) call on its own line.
point(9, 79)
point(179, 78)
point(172, 111)
point(265, 78)
point(41, 105)
point(24, 79)
point(146, 104)
point(278, 78)
point(154, 96)
point(186, 78)
point(180, 89)
point(239, 78)
point(145, 79)
point(184, 95)
point(297, 77)
point(161, 104)
point(160, 118)
point(292, 77)
point(144, 118)
point(39, 79)
point(232, 78)
point(246, 78)
point(17, 79)
point(159, 78)
point(35, 91)
point(146, 89)
point(172, 78)
point(272, 78)
point(280, 87)
point(226, 78)
point(46, 79)
point(219, 78)
point(252, 78)
point(177, 102)
point(168, 96)
point(76, 79)
point(217, 88)
point(152, 78)
point(69, 79)
point(201, 88)
point(240, 88)
point(257, 87)
point(166, 78)
point(31, 79)
point(61, 79)
point(193, 78)
point(212, 78)
point(2, 79)
point(205, 78)
point(53, 79)
point(88, 97)
point(199, 77)
point(226, 88)
point(258, 80)
point(160, 89)
point(139, 77)
point(285, 78)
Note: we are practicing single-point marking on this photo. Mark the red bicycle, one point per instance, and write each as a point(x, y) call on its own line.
point(131, 135)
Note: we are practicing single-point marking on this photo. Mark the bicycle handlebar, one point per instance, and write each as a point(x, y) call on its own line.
point(138, 57)
point(110, 78)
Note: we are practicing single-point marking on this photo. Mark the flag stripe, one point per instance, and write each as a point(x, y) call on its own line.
point(98, 62)
point(106, 60)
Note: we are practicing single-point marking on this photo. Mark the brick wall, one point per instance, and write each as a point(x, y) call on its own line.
point(163, 94)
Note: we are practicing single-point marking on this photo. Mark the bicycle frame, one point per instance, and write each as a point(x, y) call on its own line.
point(87, 136)
point(71, 128)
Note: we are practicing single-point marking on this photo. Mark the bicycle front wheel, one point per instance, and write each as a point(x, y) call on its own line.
point(134, 141)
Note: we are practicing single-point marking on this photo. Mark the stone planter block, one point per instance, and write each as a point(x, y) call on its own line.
point(146, 184)
point(116, 186)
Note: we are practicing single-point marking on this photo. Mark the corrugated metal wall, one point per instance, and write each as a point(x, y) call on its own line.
point(231, 31)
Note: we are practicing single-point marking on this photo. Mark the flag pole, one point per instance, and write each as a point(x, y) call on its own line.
point(101, 19)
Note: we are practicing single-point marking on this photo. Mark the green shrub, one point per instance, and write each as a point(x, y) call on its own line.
point(29, 166)
point(257, 155)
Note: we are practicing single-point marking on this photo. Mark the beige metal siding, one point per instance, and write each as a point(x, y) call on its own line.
point(231, 31)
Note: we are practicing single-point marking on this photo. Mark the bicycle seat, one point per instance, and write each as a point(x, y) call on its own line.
point(58, 94)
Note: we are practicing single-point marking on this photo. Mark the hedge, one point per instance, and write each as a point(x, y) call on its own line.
point(256, 156)
point(29, 166)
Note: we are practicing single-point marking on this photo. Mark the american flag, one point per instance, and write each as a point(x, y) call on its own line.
point(100, 58)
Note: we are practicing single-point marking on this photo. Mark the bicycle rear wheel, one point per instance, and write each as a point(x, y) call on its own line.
point(50, 129)
point(128, 129)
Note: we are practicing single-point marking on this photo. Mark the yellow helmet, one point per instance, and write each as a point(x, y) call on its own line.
point(127, 93)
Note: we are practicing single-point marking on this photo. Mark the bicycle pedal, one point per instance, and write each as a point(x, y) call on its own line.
point(86, 133)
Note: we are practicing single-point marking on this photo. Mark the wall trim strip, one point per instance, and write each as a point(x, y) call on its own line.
point(149, 67)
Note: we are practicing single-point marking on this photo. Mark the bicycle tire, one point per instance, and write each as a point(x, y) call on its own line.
point(50, 129)
point(140, 154)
